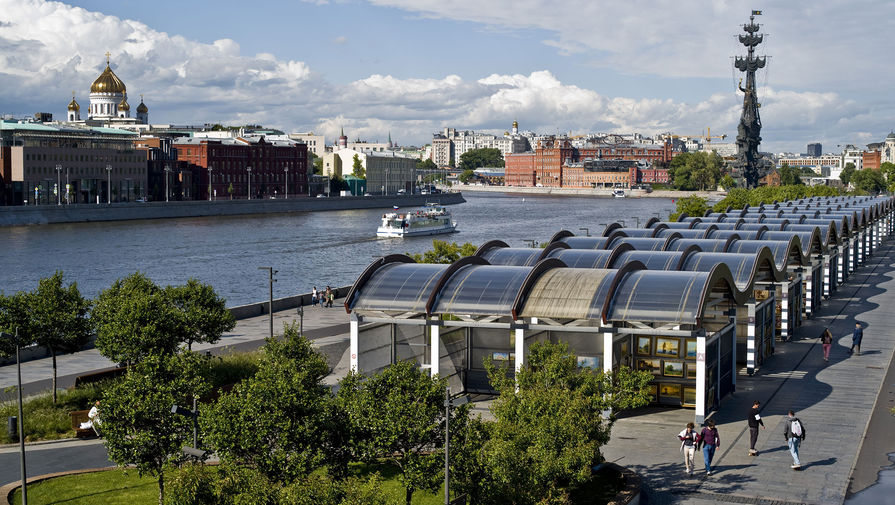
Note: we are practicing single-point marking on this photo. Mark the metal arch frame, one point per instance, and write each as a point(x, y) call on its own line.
point(552, 246)
point(491, 244)
point(368, 272)
point(536, 272)
point(561, 234)
point(608, 253)
point(622, 273)
point(610, 228)
point(447, 274)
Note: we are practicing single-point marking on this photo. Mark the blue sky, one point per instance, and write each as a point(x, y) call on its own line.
point(413, 67)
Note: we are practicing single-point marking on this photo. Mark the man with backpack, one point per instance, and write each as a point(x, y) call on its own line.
point(794, 431)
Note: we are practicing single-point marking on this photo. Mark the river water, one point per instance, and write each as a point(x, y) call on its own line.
point(307, 249)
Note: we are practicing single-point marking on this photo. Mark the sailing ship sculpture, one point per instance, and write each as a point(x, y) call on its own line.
point(749, 160)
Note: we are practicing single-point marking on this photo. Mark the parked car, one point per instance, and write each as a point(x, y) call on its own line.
point(321, 195)
point(402, 192)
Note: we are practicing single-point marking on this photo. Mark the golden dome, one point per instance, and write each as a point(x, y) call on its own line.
point(74, 105)
point(124, 105)
point(142, 108)
point(108, 82)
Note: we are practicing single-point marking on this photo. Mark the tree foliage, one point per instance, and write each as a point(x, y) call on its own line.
point(478, 158)
point(276, 420)
point(204, 314)
point(846, 174)
point(790, 176)
point(137, 422)
point(15, 320)
point(444, 252)
point(695, 171)
point(426, 164)
point(397, 415)
point(693, 206)
point(740, 198)
point(357, 167)
point(868, 180)
point(549, 426)
point(728, 182)
point(465, 176)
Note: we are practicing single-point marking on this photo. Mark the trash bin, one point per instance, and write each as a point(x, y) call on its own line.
point(12, 427)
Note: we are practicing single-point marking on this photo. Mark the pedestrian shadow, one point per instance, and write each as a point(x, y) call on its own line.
point(667, 482)
point(783, 448)
point(823, 462)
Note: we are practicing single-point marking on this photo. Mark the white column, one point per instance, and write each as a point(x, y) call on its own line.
point(808, 288)
point(862, 244)
point(352, 346)
point(750, 339)
point(700, 379)
point(435, 351)
point(828, 288)
point(520, 348)
point(853, 252)
point(608, 337)
point(784, 311)
point(840, 262)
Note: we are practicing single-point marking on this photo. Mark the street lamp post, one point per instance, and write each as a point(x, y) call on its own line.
point(167, 171)
point(249, 170)
point(286, 169)
point(271, 280)
point(58, 184)
point(209, 183)
point(67, 188)
point(21, 420)
point(109, 185)
point(448, 403)
point(586, 231)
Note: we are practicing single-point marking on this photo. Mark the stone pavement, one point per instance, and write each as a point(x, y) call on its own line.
point(834, 400)
point(327, 328)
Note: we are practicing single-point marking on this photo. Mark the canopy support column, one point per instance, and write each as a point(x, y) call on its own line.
point(808, 291)
point(435, 350)
point(353, 326)
point(784, 311)
point(700, 379)
point(750, 339)
point(608, 342)
point(520, 348)
point(828, 288)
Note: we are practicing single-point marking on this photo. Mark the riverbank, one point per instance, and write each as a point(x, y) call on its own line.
point(596, 192)
point(85, 213)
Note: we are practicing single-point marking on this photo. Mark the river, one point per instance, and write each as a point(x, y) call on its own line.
point(307, 249)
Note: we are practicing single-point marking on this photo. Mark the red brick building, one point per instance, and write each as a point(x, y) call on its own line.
point(519, 169)
point(871, 159)
point(269, 167)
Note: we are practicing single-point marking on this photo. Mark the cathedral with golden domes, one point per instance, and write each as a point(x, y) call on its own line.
point(108, 103)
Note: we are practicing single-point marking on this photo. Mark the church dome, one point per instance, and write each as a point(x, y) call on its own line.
point(890, 136)
point(108, 82)
point(74, 105)
point(142, 108)
point(124, 106)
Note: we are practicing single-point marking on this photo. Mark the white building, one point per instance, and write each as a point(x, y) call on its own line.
point(108, 105)
point(316, 143)
point(887, 150)
point(450, 144)
point(851, 154)
point(825, 165)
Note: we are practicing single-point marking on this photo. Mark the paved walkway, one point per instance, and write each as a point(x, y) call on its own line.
point(835, 400)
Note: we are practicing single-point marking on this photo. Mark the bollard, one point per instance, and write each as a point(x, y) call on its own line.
point(12, 427)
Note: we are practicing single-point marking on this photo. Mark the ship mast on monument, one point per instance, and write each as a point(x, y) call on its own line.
point(749, 129)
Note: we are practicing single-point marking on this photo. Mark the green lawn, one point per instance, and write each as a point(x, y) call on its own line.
point(116, 487)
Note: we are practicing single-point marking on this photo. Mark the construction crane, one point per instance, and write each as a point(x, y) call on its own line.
point(708, 136)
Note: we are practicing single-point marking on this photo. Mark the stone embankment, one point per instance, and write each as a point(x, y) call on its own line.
point(48, 214)
point(598, 192)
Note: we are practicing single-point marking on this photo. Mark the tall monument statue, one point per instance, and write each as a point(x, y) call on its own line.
point(749, 129)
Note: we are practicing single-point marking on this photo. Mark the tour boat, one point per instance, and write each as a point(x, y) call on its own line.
point(433, 219)
point(618, 193)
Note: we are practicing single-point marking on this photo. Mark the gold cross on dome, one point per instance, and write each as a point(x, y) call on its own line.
point(108, 54)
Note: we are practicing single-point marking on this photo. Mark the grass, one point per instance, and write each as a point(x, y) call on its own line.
point(47, 421)
point(113, 487)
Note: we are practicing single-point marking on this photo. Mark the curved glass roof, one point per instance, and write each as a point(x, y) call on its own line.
point(654, 260)
point(809, 240)
point(677, 225)
point(639, 232)
point(583, 258)
point(688, 232)
point(644, 244)
point(667, 296)
point(840, 224)
point(569, 293)
point(743, 266)
point(785, 252)
point(826, 232)
point(515, 256)
point(585, 242)
point(399, 286)
point(706, 245)
point(723, 225)
point(480, 289)
point(737, 234)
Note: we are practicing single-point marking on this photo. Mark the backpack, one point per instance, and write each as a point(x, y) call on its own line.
point(796, 428)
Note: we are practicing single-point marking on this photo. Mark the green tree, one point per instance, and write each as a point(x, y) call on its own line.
point(444, 252)
point(790, 176)
point(695, 171)
point(397, 415)
point(15, 320)
point(230, 190)
point(134, 318)
point(426, 164)
point(693, 206)
point(728, 182)
point(59, 318)
point(318, 165)
point(465, 176)
point(478, 158)
point(276, 420)
point(358, 167)
point(549, 424)
point(137, 422)
point(868, 180)
point(204, 315)
point(888, 170)
point(846, 174)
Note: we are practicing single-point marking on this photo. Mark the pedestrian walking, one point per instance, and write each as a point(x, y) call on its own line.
point(710, 440)
point(826, 341)
point(314, 297)
point(329, 296)
point(688, 437)
point(794, 431)
point(856, 338)
point(754, 421)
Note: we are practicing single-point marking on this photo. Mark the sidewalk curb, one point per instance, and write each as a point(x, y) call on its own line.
point(42, 442)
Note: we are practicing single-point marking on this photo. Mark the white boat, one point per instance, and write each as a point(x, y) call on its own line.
point(433, 219)
point(618, 193)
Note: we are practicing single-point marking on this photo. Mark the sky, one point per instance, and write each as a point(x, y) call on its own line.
point(410, 68)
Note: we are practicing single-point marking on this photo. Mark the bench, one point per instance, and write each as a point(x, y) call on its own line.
point(93, 377)
point(78, 417)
